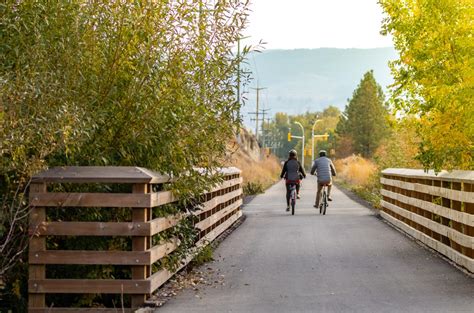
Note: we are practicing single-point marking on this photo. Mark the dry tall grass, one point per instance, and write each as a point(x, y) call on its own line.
point(263, 172)
point(356, 170)
point(361, 176)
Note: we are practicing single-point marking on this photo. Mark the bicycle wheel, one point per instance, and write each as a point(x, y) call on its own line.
point(325, 202)
point(293, 200)
point(321, 205)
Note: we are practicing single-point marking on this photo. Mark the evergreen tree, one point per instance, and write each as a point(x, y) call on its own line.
point(365, 117)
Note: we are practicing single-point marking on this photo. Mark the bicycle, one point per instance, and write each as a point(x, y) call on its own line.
point(324, 200)
point(292, 197)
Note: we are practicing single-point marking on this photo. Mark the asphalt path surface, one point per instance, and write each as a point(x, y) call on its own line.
point(346, 261)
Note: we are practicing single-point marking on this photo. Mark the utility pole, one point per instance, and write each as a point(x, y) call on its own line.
point(264, 112)
point(265, 132)
point(261, 112)
point(257, 110)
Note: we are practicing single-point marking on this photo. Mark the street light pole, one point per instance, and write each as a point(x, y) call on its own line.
point(312, 139)
point(302, 144)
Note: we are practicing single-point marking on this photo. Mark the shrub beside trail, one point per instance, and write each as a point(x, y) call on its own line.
point(361, 176)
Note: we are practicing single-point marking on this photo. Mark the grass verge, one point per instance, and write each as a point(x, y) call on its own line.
point(361, 176)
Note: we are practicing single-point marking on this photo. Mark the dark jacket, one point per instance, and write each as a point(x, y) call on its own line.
point(292, 169)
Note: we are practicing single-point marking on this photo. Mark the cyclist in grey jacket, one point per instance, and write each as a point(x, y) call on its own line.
point(292, 171)
point(324, 170)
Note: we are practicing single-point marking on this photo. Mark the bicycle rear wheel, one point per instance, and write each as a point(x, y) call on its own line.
point(325, 202)
point(321, 205)
point(293, 199)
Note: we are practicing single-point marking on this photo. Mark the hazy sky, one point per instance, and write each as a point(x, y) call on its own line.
point(292, 24)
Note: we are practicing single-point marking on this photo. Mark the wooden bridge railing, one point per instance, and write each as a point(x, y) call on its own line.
point(219, 210)
point(438, 209)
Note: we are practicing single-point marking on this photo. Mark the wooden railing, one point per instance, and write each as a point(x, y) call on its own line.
point(219, 209)
point(438, 210)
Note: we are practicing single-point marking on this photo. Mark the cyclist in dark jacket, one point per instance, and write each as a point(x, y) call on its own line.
point(292, 172)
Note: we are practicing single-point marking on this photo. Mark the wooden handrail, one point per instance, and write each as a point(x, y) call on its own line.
point(435, 209)
point(223, 201)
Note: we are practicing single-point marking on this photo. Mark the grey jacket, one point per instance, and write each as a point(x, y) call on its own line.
point(324, 169)
point(292, 169)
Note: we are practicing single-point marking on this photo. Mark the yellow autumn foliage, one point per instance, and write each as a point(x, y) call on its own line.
point(434, 77)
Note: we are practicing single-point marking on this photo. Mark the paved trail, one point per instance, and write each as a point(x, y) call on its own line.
point(346, 261)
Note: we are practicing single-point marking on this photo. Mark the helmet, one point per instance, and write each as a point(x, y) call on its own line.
point(322, 153)
point(292, 153)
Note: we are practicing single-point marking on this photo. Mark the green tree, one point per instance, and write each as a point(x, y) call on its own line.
point(142, 83)
point(434, 76)
point(365, 118)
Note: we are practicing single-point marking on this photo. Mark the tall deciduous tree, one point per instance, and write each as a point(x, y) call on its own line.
point(365, 117)
point(143, 83)
point(434, 77)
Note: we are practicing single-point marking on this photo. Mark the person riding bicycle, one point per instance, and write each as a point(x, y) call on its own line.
point(324, 170)
point(292, 172)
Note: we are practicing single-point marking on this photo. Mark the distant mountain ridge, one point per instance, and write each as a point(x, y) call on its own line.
point(311, 79)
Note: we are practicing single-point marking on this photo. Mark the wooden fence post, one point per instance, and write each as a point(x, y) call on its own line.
point(139, 243)
point(37, 244)
point(140, 272)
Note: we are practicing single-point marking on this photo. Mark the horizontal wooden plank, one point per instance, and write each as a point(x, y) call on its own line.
point(162, 198)
point(121, 200)
point(454, 235)
point(228, 183)
point(100, 174)
point(225, 171)
point(461, 217)
point(211, 204)
point(90, 257)
point(163, 223)
point(101, 200)
point(159, 251)
point(457, 176)
point(211, 220)
point(87, 257)
point(91, 229)
point(219, 229)
point(160, 277)
point(456, 195)
point(117, 286)
point(80, 310)
point(165, 197)
point(449, 252)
